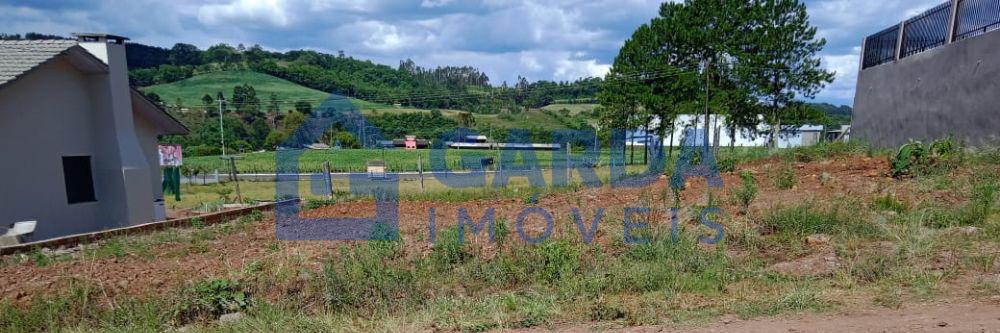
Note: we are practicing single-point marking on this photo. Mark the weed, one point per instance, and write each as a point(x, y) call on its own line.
point(888, 202)
point(212, 298)
point(799, 300)
point(530, 198)
point(561, 259)
point(367, 277)
point(915, 159)
point(39, 258)
point(727, 164)
point(806, 219)
point(748, 190)
point(197, 223)
point(785, 179)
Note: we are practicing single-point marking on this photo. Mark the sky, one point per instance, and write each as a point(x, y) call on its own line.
point(537, 39)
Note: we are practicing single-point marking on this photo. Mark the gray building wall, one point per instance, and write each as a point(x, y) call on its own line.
point(57, 111)
point(43, 117)
point(952, 89)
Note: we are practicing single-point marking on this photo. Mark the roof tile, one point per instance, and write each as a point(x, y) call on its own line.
point(20, 56)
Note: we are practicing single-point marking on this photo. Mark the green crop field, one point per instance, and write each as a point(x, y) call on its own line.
point(355, 160)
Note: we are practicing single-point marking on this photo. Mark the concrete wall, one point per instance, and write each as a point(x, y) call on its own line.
point(952, 89)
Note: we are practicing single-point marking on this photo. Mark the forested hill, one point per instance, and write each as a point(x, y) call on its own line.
point(408, 84)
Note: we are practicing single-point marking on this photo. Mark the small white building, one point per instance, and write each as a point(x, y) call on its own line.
point(79, 145)
point(800, 136)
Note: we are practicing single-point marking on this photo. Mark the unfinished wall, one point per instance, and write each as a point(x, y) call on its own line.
point(952, 89)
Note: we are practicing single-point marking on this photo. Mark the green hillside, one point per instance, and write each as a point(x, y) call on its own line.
point(191, 90)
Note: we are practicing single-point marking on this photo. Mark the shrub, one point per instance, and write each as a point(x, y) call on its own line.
point(747, 192)
point(213, 298)
point(785, 179)
point(561, 259)
point(727, 164)
point(914, 159)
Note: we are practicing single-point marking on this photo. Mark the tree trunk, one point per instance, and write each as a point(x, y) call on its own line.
point(775, 132)
point(732, 137)
point(708, 111)
point(645, 148)
point(672, 130)
point(715, 144)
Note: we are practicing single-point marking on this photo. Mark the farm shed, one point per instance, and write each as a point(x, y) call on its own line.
point(79, 145)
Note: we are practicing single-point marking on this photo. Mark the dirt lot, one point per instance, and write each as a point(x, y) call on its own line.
point(158, 265)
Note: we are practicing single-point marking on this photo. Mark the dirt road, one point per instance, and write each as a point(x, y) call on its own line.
point(964, 317)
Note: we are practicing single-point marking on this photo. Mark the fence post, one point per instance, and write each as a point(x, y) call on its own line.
point(861, 66)
point(953, 22)
point(900, 40)
point(329, 180)
point(420, 171)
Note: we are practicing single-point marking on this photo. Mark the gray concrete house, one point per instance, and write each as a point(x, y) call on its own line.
point(78, 145)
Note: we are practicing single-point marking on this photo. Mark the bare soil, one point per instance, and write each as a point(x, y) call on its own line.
point(943, 317)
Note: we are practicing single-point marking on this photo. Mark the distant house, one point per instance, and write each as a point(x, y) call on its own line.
point(79, 145)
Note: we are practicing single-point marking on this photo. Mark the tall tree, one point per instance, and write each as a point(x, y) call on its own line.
point(780, 59)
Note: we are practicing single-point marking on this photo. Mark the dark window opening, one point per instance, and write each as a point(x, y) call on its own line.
point(79, 179)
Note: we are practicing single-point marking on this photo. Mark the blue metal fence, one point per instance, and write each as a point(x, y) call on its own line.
point(927, 30)
point(976, 17)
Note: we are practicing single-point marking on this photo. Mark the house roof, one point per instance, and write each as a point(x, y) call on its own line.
point(18, 57)
point(165, 123)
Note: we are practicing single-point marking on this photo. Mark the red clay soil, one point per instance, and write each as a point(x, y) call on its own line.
point(163, 271)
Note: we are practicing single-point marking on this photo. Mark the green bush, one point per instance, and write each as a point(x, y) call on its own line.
point(727, 164)
point(915, 159)
point(213, 298)
point(747, 192)
point(785, 178)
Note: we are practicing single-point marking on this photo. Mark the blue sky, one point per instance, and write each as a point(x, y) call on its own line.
point(539, 39)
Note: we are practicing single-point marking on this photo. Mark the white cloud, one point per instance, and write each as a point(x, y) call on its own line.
point(845, 67)
point(435, 3)
point(246, 12)
point(569, 70)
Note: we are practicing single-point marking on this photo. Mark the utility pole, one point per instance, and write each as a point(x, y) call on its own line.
point(222, 134)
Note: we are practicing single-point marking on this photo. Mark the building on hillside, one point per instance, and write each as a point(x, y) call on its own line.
point(794, 137)
point(932, 76)
point(79, 145)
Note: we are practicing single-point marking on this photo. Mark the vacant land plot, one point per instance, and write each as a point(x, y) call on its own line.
point(812, 231)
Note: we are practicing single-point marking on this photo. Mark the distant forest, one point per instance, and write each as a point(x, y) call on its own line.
point(449, 87)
